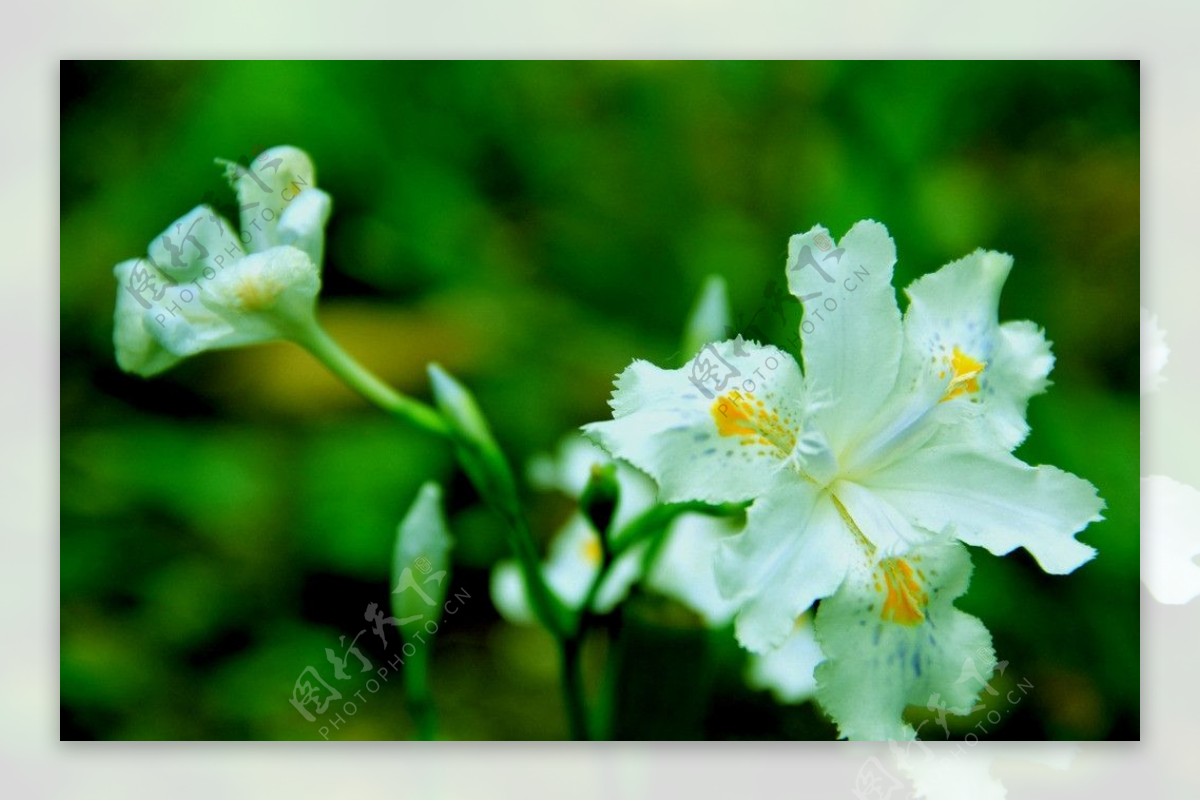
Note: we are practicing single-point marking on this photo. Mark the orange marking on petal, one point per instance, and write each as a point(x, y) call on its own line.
point(731, 419)
point(906, 599)
point(742, 415)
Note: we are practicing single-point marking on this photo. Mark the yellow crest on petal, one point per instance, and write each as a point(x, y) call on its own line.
point(965, 375)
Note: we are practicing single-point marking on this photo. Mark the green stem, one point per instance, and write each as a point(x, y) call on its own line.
point(571, 646)
point(327, 351)
point(547, 607)
point(569, 633)
point(572, 680)
point(656, 519)
point(416, 691)
point(650, 525)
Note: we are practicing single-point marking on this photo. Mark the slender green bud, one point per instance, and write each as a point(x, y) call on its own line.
point(599, 499)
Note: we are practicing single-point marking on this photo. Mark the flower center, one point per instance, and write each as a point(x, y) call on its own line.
point(256, 292)
point(591, 550)
point(742, 415)
point(965, 377)
point(906, 598)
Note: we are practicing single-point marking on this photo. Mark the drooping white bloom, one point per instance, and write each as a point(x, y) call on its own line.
point(575, 553)
point(203, 286)
point(571, 565)
point(898, 430)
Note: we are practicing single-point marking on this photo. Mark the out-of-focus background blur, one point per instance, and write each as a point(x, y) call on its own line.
point(534, 227)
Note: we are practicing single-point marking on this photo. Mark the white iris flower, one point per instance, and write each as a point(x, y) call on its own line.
point(203, 285)
point(865, 469)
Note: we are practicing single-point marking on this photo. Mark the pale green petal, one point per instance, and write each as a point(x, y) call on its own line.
point(875, 666)
point(421, 557)
point(952, 330)
point(574, 560)
point(717, 430)
point(912, 419)
point(1020, 370)
point(957, 307)
point(201, 238)
point(569, 570)
point(302, 223)
point(685, 570)
point(187, 327)
point(137, 349)
point(509, 594)
point(788, 670)
point(168, 324)
point(621, 577)
point(851, 326)
point(885, 526)
point(265, 187)
point(995, 501)
point(794, 550)
point(569, 467)
point(264, 295)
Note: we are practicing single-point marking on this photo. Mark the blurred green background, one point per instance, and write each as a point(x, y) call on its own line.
point(534, 227)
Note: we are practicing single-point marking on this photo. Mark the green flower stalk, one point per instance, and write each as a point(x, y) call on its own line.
point(487, 468)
